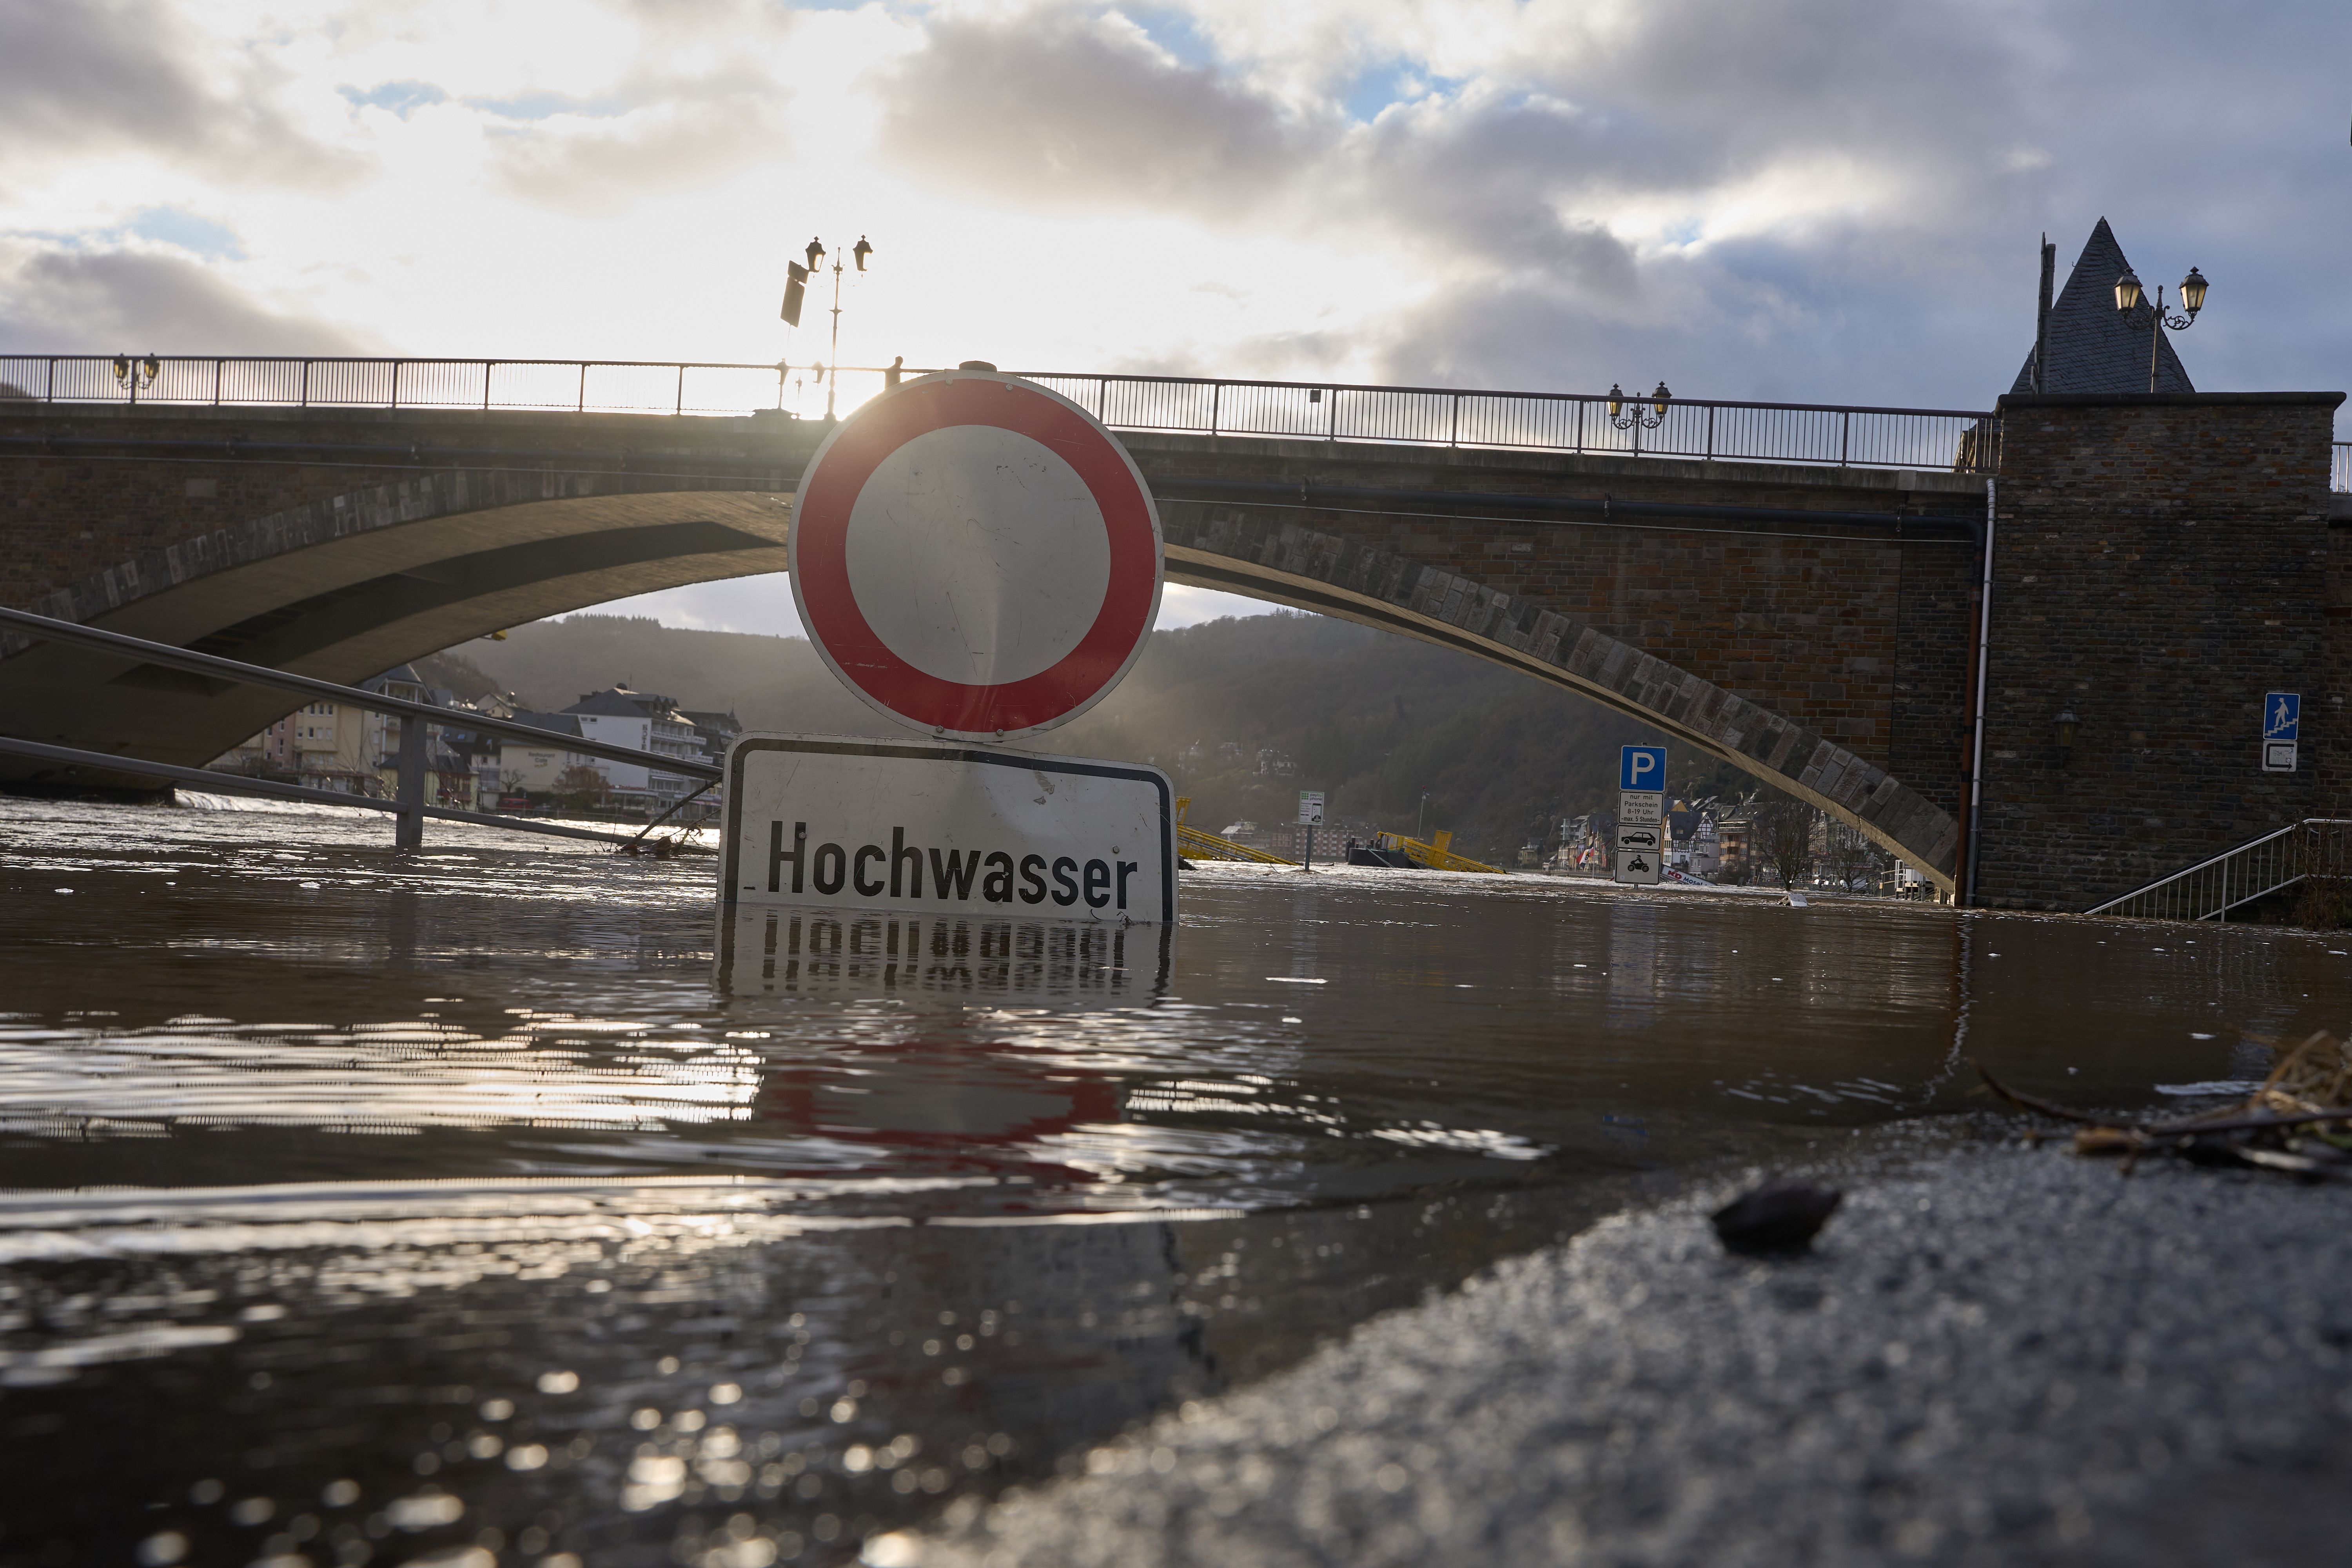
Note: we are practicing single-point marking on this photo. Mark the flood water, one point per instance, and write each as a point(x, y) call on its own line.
point(461, 1207)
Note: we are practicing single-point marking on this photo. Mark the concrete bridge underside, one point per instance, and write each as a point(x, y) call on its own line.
point(1777, 644)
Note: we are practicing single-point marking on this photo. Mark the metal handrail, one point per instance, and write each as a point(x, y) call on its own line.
point(45, 628)
point(1827, 434)
point(272, 789)
point(2237, 876)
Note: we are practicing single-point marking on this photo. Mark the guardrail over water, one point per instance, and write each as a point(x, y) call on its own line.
point(1827, 434)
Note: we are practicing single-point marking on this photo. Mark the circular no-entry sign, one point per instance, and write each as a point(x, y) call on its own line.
point(975, 555)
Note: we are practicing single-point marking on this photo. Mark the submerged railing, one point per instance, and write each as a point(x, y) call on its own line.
point(2317, 847)
point(1826, 434)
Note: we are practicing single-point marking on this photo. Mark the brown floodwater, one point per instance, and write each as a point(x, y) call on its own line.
point(463, 1206)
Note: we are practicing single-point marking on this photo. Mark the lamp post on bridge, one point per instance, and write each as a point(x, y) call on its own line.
point(2128, 301)
point(136, 375)
point(1629, 416)
point(796, 280)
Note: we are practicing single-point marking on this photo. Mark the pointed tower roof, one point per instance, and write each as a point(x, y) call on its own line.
point(2092, 347)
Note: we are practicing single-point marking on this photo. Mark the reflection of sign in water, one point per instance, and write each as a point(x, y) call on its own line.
point(801, 953)
point(912, 828)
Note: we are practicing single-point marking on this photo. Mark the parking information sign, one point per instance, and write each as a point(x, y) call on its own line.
point(2282, 730)
point(1311, 807)
point(1640, 815)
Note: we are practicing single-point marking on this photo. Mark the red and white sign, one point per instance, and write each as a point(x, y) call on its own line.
point(976, 555)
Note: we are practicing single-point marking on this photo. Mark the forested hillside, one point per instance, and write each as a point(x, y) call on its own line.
point(1372, 719)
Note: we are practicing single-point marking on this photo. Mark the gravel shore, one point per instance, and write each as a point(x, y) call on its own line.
point(1996, 1354)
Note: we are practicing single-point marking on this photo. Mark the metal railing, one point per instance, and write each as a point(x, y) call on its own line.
point(415, 717)
point(1826, 434)
point(2209, 890)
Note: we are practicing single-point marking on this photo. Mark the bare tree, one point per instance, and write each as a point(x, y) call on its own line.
point(580, 785)
point(1849, 853)
point(1784, 841)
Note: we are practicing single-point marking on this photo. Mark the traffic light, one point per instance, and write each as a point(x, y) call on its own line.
point(795, 290)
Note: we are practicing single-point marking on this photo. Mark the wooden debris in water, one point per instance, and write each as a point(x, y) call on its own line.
point(2299, 1120)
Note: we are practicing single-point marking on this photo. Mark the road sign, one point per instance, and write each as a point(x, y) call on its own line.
point(1647, 806)
point(1642, 768)
point(925, 828)
point(1311, 807)
point(2278, 756)
point(1638, 866)
point(975, 555)
point(2283, 716)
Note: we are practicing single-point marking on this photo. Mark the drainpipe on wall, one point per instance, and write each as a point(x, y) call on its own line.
point(1977, 735)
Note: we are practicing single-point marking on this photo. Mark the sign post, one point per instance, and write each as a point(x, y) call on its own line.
point(1310, 815)
point(977, 559)
point(2282, 730)
point(1640, 815)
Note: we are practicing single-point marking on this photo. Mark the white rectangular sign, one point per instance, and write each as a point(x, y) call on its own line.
point(2278, 756)
point(932, 827)
point(1638, 866)
point(1647, 806)
point(1311, 807)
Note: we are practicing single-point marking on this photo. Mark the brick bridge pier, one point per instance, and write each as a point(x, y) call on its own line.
point(2159, 562)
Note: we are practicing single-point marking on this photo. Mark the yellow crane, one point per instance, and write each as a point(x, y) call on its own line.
point(1437, 853)
point(1195, 845)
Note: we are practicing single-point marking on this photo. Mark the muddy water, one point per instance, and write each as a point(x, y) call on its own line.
point(356, 1207)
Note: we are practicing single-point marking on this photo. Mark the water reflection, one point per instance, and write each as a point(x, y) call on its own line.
point(769, 952)
point(355, 1207)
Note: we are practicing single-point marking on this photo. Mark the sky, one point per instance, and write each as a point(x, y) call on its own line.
point(1834, 201)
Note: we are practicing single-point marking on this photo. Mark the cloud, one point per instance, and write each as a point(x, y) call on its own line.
point(1066, 108)
point(95, 75)
point(66, 301)
point(697, 134)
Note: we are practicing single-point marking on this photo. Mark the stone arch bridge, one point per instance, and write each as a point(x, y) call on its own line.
point(1809, 622)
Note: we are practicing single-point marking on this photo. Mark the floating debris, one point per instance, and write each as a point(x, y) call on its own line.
point(2298, 1121)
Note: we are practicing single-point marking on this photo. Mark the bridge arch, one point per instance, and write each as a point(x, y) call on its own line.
point(348, 583)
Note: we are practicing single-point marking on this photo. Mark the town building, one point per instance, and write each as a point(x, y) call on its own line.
point(533, 767)
point(617, 716)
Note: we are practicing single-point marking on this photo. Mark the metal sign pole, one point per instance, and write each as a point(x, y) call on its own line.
point(408, 827)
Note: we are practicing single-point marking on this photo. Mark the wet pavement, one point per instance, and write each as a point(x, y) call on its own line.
point(356, 1207)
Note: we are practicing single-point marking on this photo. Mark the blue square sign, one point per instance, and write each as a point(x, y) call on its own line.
point(1641, 767)
point(2282, 715)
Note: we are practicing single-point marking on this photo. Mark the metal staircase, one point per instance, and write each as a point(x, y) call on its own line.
point(2209, 890)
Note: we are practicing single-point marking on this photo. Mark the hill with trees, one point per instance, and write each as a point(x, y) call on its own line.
point(1242, 714)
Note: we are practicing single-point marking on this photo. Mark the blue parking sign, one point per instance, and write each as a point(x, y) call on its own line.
point(2282, 715)
point(1641, 767)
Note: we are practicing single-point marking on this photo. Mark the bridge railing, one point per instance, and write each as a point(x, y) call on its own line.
point(1821, 434)
point(589, 387)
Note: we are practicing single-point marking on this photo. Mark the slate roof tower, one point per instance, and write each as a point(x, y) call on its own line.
point(2093, 348)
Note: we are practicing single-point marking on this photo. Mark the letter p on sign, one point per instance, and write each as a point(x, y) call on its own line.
point(1641, 767)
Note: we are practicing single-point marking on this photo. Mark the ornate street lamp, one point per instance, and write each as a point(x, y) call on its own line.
point(136, 375)
point(1626, 416)
point(2128, 301)
point(797, 277)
